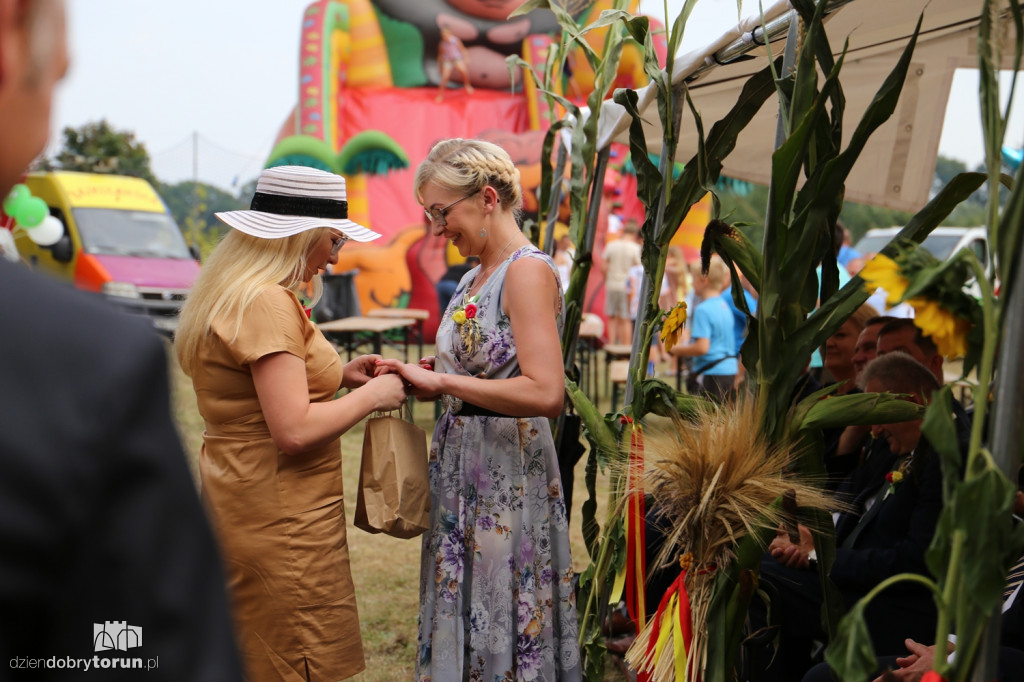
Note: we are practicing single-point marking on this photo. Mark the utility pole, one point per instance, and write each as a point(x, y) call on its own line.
point(194, 227)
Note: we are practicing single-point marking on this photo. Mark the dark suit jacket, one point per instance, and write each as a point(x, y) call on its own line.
point(899, 532)
point(1012, 633)
point(99, 516)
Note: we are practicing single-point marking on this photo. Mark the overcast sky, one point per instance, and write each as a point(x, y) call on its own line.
point(206, 84)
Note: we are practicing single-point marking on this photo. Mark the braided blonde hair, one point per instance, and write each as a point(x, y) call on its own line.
point(462, 166)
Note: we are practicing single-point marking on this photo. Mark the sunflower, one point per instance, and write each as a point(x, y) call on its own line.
point(672, 327)
point(882, 271)
point(948, 330)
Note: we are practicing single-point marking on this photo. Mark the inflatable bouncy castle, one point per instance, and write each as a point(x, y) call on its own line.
point(369, 107)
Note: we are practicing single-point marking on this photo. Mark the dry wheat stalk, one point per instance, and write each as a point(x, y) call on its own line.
point(715, 480)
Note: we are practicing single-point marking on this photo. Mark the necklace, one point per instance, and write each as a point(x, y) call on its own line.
point(478, 281)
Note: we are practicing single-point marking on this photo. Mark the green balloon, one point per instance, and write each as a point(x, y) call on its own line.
point(18, 194)
point(32, 212)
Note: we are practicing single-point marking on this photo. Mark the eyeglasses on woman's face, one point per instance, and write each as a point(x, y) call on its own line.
point(439, 216)
point(337, 241)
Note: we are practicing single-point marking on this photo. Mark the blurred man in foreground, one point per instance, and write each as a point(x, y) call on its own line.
point(107, 560)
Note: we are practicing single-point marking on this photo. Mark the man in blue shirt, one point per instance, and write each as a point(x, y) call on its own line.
point(712, 342)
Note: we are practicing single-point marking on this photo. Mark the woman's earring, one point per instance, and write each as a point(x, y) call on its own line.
point(483, 231)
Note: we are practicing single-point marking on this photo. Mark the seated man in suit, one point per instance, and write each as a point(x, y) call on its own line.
point(895, 503)
point(919, 658)
point(884, 335)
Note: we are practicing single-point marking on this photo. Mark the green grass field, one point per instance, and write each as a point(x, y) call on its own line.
point(385, 569)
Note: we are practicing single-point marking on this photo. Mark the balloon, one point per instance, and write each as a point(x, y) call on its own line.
point(48, 232)
point(31, 212)
point(18, 194)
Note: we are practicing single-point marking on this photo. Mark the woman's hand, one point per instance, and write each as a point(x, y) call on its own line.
point(359, 371)
point(424, 384)
point(389, 390)
point(299, 425)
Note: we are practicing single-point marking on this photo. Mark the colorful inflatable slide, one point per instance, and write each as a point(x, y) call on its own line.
point(368, 108)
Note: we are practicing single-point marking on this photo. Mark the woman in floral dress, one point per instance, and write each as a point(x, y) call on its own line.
point(496, 588)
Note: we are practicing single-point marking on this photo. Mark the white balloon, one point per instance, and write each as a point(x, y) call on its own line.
point(48, 232)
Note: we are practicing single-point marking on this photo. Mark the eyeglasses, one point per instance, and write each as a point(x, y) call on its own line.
point(440, 215)
point(336, 244)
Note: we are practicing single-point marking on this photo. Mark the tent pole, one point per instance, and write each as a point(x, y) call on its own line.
point(1005, 436)
point(788, 64)
point(572, 327)
point(665, 167)
point(556, 199)
point(572, 324)
point(769, 33)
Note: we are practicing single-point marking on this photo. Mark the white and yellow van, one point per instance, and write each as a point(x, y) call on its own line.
point(119, 241)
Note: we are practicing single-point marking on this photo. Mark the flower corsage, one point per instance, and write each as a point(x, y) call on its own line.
point(464, 317)
point(897, 476)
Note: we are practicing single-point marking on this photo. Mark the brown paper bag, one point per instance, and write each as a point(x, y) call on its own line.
point(394, 488)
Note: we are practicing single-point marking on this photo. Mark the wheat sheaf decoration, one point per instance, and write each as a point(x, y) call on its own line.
point(713, 480)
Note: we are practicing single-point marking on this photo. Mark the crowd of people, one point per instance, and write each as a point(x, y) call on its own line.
point(100, 519)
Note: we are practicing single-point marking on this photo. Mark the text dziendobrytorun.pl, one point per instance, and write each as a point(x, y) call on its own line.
point(86, 664)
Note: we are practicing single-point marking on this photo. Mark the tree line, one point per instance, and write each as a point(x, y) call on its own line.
point(99, 147)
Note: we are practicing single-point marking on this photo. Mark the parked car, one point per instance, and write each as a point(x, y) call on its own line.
point(942, 243)
point(119, 241)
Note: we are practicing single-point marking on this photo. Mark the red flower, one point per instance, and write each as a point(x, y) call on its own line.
point(932, 676)
point(888, 477)
point(470, 311)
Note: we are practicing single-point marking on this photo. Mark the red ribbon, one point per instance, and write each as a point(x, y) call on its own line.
point(636, 540)
point(685, 622)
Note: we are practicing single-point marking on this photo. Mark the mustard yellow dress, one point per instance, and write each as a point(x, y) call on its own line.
point(280, 518)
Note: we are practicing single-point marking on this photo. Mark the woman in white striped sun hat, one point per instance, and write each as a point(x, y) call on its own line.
point(293, 199)
point(265, 380)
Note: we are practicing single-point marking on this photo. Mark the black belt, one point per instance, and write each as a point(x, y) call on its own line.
point(459, 407)
point(471, 410)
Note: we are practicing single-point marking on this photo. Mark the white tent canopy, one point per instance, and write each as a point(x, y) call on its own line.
point(897, 166)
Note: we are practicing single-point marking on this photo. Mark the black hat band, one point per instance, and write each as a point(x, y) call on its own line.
point(299, 206)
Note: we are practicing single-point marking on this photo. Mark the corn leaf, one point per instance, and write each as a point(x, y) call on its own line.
point(851, 655)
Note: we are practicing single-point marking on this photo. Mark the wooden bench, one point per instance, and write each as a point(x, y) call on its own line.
point(618, 375)
point(591, 331)
point(420, 315)
point(347, 331)
point(612, 354)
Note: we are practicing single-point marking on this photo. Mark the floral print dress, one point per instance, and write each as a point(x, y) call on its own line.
point(496, 584)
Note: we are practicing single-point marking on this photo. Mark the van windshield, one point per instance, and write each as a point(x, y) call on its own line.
point(142, 234)
point(939, 245)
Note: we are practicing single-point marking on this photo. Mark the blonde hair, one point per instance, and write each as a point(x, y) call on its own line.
point(718, 272)
point(234, 275)
point(861, 316)
point(460, 165)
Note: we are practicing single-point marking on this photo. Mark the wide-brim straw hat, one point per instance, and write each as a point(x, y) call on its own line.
point(293, 199)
